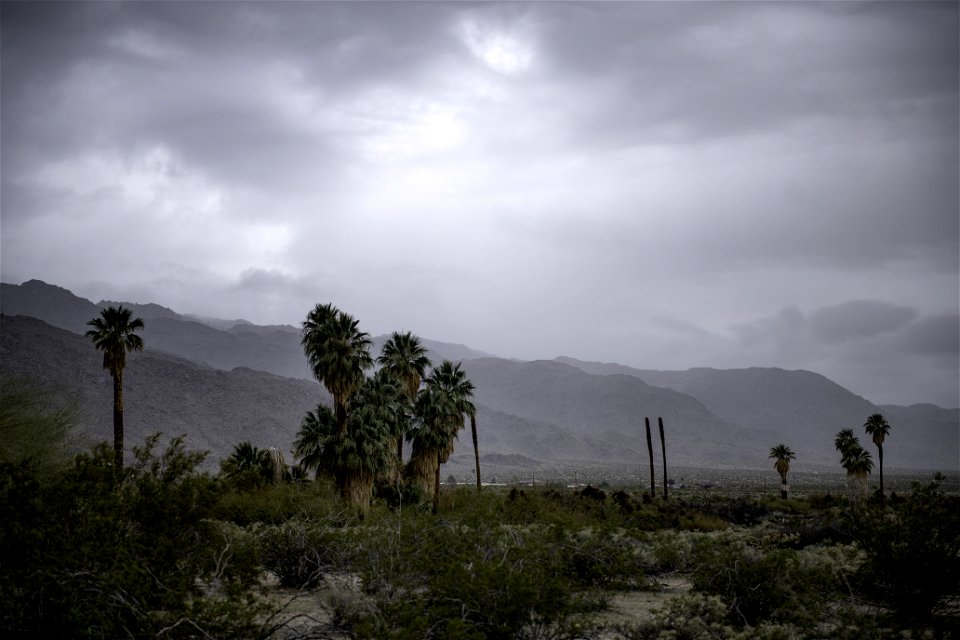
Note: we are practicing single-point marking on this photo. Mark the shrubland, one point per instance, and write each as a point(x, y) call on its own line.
point(169, 551)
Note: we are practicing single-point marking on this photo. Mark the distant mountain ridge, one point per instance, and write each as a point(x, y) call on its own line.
point(248, 380)
point(807, 403)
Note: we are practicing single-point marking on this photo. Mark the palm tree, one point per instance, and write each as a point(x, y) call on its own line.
point(846, 441)
point(364, 451)
point(377, 412)
point(113, 333)
point(783, 455)
point(406, 360)
point(439, 413)
point(247, 459)
point(878, 428)
point(338, 352)
point(857, 462)
point(316, 440)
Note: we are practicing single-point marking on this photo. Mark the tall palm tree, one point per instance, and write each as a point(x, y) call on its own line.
point(114, 334)
point(439, 412)
point(878, 428)
point(338, 352)
point(406, 360)
point(783, 455)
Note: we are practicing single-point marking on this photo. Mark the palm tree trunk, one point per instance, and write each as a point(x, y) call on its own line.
point(476, 451)
point(653, 486)
point(419, 470)
point(118, 425)
point(663, 450)
point(341, 411)
point(880, 456)
point(358, 489)
point(436, 487)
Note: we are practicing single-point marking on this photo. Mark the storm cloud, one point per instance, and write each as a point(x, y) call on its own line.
point(660, 184)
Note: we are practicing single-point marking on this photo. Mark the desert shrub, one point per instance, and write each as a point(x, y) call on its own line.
point(912, 553)
point(277, 503)
point(666, 551)
point(82, 557)
point(781, 585)
point(740, 511)
point(600, 558)
point(433, 579)
point(406, 495)
point(299, 552)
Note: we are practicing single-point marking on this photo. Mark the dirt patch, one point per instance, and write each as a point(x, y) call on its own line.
point(309, 613)
point(629, 607)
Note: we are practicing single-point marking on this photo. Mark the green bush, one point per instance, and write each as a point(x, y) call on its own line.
point(592, 558)
point(430, 579)
point(781, 585)
point(35, 425)
point(299, 552)
point(912, 551)
point(82, 557)
point(277, 503)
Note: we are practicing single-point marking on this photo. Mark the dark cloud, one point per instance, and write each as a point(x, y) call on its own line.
point(858, 319)
point(937, 336)
point(615, 180)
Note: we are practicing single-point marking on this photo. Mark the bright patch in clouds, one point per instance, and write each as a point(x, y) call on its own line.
point(505, 51)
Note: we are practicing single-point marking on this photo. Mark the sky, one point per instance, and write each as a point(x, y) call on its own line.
point(662, 185)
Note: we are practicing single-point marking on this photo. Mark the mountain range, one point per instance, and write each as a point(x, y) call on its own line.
point(224, 381)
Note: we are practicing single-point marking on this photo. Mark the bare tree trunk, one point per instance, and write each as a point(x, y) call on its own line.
point(653, 485)
point(663, 450)
point(476, 451)
point(118, 426)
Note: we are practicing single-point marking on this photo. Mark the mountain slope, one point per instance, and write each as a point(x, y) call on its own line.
point(215, 409)
point(807, 410)
point(607, 412)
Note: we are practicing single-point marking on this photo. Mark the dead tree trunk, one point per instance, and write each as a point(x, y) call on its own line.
point(663, 450)
point(653, 485)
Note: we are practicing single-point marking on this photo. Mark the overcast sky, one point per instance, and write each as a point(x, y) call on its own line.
point(663, 185)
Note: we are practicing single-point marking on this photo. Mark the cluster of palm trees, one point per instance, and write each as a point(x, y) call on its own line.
point(359, 441)
point(855, 460)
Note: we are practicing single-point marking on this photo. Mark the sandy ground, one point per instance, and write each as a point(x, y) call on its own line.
point(309, 614)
